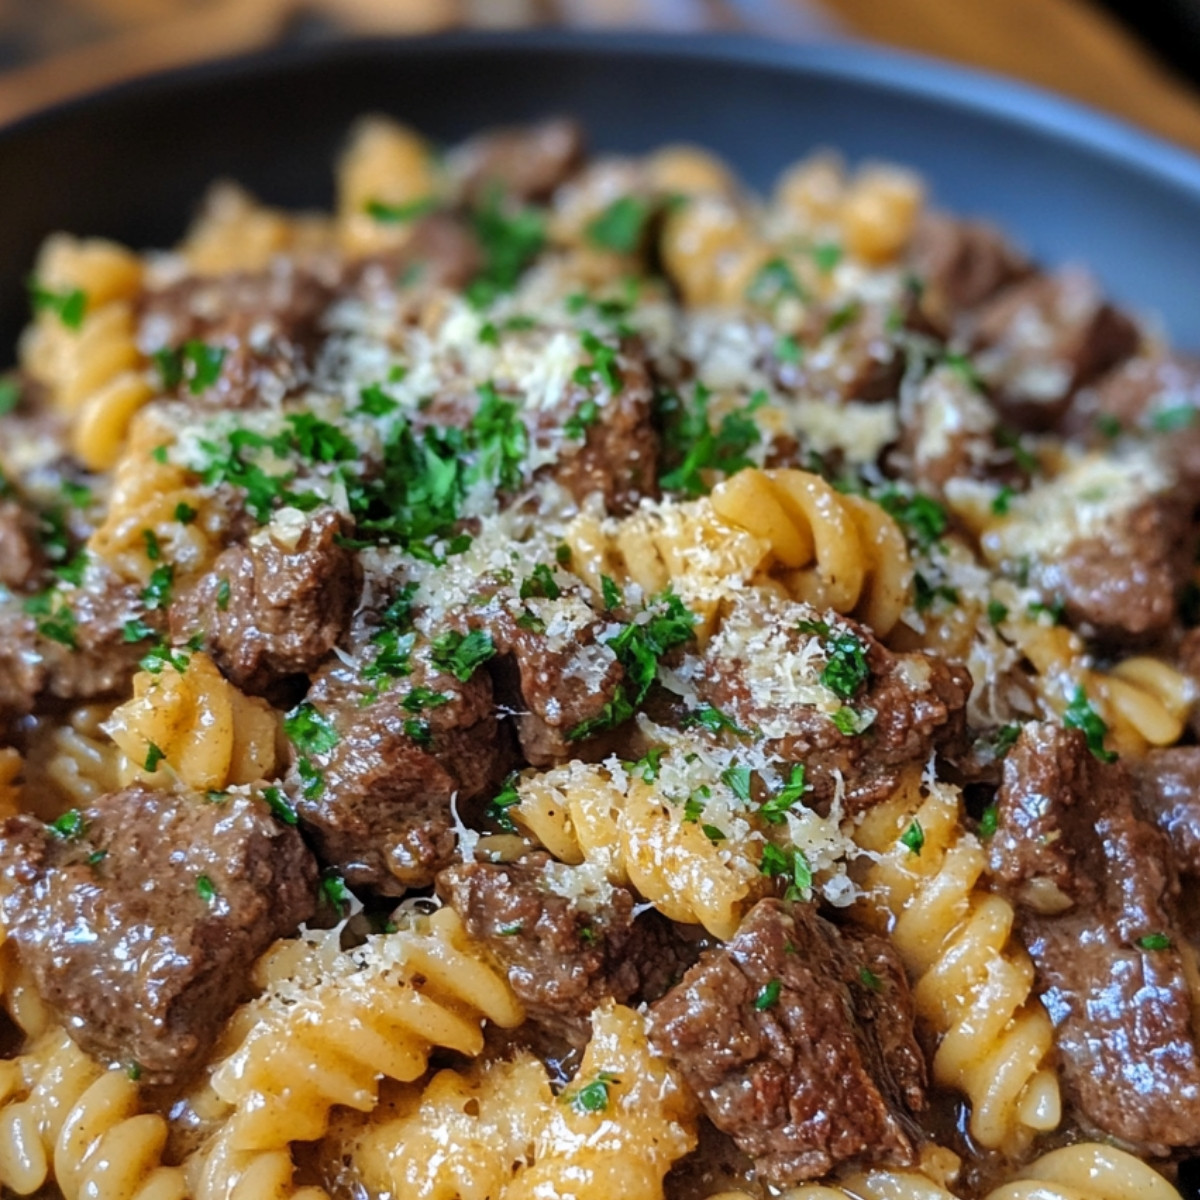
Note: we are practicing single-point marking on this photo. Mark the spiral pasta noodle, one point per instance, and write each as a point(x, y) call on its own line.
point(70, 762)
point(155, 516)
point(187, 721)
point(66, 1118)
point(500, 1131)
point(972, 982)
point(1086, 1171)
point(91, 366)
point(331, 1024)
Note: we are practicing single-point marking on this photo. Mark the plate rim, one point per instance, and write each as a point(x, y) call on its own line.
point(988, 94)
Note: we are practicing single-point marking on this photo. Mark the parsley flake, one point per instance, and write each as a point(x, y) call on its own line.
point(1082, 716)
point(460, 654)
point(279, 804)
point(68, 305)
point(1154, 941)
point(70, 827)
point(153, 757)
point(620, 226)
point(774, 811)
point(399, 214)
point(913, 837)
point(591, 1097)
point(205, 889)
point(768, 997)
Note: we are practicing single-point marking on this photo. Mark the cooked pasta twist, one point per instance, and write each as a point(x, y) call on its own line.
point(783, 529)
point(500, 1132)
point(89, 361)
point(628, 828)
point(972, 982)
point(66, 1118)
point(1086, 1171)
point(385, 171)
point(189, 722)
point(1143, 700)
point(155, 516)
point(70, 761)
point(331, 1024)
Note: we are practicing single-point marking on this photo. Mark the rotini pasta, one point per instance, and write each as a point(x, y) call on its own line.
point(70, 762)
point(972, 983)
point(187, 721)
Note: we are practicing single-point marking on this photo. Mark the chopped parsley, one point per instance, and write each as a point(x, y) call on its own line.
point(965, 368)
point(460, 654)
point(154, 756)
point(913, 837)
point(847, 314)
point(500, 439)
point(69, 305)
point(334, 891)
point(399, 214)
point(846, 668)
point(279, 804)
point(153, 549)
point(508, 797)
point(1012, 441)
point(1082, 716)
point(996, 612)
point(510, 241)
point(157, 592)
point(540, 582)
point(826, 255)
point(713, 833)
point(1171, 420)
point(714, 720)
point(309, 731)
point(1055, 610)
point(989, 820)
point(10, 396)
point(136, 630)
point(55, 618)
point(869, 979)
point(691, 446)
point(638, 647)
point(161, 655)
point(788, 350)
point(196, 362)
point(620, 226)
point(70, 827)
point(774, 281)
point(419, 731)
point(1001, 500)
point(1005, 738)
point(849, 722)
point(581, 420)
point(185, 514)
point(223, 592)
point(603, 367)
point(791, 865)
point(591, 1097)
point(737, 779)
point(922, 517)
point(646, 768)
point(373, 401)
point(1108, 425)
point(926, 594)
point(421, 698)
point(768, 997)
point(1154, 941)
point(693, 808)
point(205, 889)
point(611, 593)
point(774, 811)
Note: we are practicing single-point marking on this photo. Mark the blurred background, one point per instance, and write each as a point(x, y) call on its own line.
point(1139, 59)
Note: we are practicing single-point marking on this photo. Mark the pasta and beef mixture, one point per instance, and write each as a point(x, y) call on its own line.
point(566, 679)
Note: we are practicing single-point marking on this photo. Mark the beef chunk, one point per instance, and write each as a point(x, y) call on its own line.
point(21, 557)
point(270, 608)
point(553, 672)
point(1096, 895)
point(962, 263)
point(1150, 393)
point(567, 939)
point(856, 355)
point(1039, 341)
point(791, 1047)
point(378, 802)
point(22, 671)
point(266, 324)
point(526, 162)
point(141, 957)
point(764, 672)
point(1122, 584)
point(439, 252)
point(619, 454)
point(1169, 790)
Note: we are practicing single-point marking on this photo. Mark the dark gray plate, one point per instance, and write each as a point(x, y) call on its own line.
point(131, 162)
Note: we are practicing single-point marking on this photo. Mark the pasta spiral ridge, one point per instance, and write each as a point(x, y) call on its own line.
point(784, 529)
point(332, 1023)
point(972, 982)
point(92, 366)
point(67, 1118)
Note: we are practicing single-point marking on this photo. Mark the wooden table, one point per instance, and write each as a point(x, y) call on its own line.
point(61, 47)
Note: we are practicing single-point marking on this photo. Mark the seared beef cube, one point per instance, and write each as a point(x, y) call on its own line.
point(21, 557)
point(1169, 791)
point(762, 671)
point(797, 1038)
point(852, 353)
point(1154, 394)
point(962, 263)
point(141, 916)
point(439, 252)
point(1122, 584)
point(22, 672)
point(1097, 895)
point(567, 938)
point(378, 796)
point(618, 456)
point(552, 672)
point(526, 162)
point(272, 608)
point(265, 325)
point(1039, 341)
